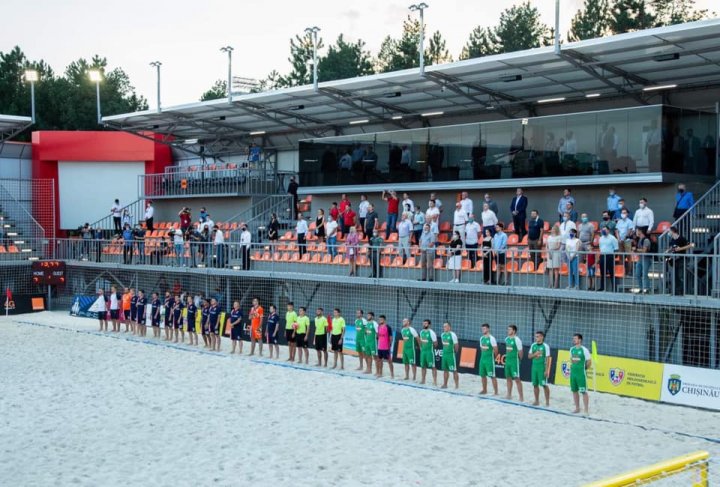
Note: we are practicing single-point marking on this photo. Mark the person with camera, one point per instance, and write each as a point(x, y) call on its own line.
point(679, 246)
point(185, 220)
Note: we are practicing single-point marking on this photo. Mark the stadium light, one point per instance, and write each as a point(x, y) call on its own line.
point(397, 117)
point(156, 65)
point(258, 132)
point(358, 122)
point(431, 114)
point(592, 95)
point(420, 7)
point(313, 31)
point(96, 77)
point(229, 50)
point(551, 100)
point(659, 87)
point(32, 76)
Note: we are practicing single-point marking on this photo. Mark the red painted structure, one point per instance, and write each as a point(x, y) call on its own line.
point(49, 147)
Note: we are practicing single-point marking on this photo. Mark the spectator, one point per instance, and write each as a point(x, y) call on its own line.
point(683, 201)
point(157, 256)
point(644, 261)
point(254, 153)
point(691, 153)
point(87, 234)
point(335, 214)
point(472, 237)
point(376, 245)
point(127, 237)
point(126, 218)
point(348, 218)
point(435, 225)
point(570, 147)
point(608, 246)
point(345, 162)
point(371, 220)
point(219, 244)
point(624, 227)
point(608, 223)
point(179, 246)
point(392, 211)
point(351, 242)
point(320, 225)
point(586, 233)
point(418, 223)
point(554, 256)
point(566, 227)
point(301, 229)
point(536, 229)
point(362, 213)
point(612, 203)
point(677, 249)
point(139, 238)
point(185, 219)
point(149, 216)
point(564, 200)
point(489, 219)
point(572, 248)
point(293, 191)
point(358, 154)
point(454, 262)
point(459, 220)
point(195, 240)
point(644, 217)
point(407, 204)
point(493, 206)
point(405, 157)
point(273, 231)
point(438, 202)
point(427, 253)
point(467, 203)
point(432, 211)
point(518, 208)
point(622, 206)
point(245, 245)
point(116, 212)
point(205, 254)
point(209, 223)
point(405, 228)
point(331, 227)
point(499, 245)
point(570, 208)
point(203, 216)
point(344, 202)
point(487, 261)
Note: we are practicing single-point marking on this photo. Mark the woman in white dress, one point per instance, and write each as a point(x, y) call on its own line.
point(554, 261)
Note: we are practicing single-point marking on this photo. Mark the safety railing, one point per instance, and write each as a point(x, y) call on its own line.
point(258, 216)
point(209, 180)
point(700, 222)
point(668, 273)
point(132, 213)
point(16, 218)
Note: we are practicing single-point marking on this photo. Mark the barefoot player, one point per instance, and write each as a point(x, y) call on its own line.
point(290, 325)
point(428, 342)
point(488, 352)
point(190, 320)
point(301, 335)
point(360, 323)
point(257, 313)
point(320, 339)
point(336, 338)
point(155, 305)
point(580, 361)
point(451, 349)
point(236, 327)
point(271, 331)
point(540, 372)
point(370, 345)
point(513, 356)
point(141, 314)
point(409, 337)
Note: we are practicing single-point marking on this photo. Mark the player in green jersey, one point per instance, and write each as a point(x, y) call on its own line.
point(580, 361)
point(410, 337)
point(320, 339)
point(360, 323)
point(337, 336)
point(540, 356)
point(428, 342)
point(488, 352)
point(290, 325)
point(451, 348)
point(513, 356)
point(370, 345)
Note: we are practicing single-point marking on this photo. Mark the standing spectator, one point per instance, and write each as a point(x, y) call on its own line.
point(127, 236)
point(179, 246)
point(194, 239)
point(487, 255)
point(219, 243)
point(273, 231)
point(245, 245)
point(203, 215)
point(427, 253)
point(126, 218)
point(418, 223)
point(678, 247)
point(344, 202)
point(185, 219)
point(622, 206)
point(405, 228)
point(348, 218)
point(254, 153)
point(139, 237)
point(499, 245)
point(564, 200)
point(405, 157)
point(293, 191)
point(554, 259)
point(149, 216)
point(683, 201)
point(351, 242)
point(608, 223)
point(572, 248)
point(438, 202)
point(459, 220)
point(570, 209)
point(301, 229)
point(644, 217)
point(472, 237)
point(491, 204)
point(608, 246)
point(518, 208)
point(376, 244)
point(345, 163)
point(331, 227)
point(432, 211)
point(624, 227)
point(392, 211)
point(644, 261)
point(566, 227)
point(362, 213)
point(435, 226)
point(586, 233)
point(407, 204)
point(87, 234)
point(467, 203)
point(612, 203)
point(116, 212)
point(489, 219)
point(208, 223)
point(536, 230)
point(454, 262)
point(335, 214)
point(320, 225)
point(371, 220)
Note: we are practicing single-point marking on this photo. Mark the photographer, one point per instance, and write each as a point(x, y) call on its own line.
point(676, 262)
point(185, 220)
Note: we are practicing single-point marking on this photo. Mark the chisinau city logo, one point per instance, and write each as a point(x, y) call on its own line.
point(674, 384)
point(617, 376)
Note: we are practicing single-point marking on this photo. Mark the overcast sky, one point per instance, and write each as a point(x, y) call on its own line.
point(185, 35)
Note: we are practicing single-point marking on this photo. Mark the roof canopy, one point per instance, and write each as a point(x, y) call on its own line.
point(11, 125)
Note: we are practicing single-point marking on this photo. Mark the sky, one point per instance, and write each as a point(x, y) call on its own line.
point(186, 35)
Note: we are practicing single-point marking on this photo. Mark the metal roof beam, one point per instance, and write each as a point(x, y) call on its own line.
point(349, 100)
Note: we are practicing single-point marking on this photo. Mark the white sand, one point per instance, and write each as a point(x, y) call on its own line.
point(85, 409)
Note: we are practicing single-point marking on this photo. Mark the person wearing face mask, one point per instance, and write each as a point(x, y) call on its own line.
point(608, 246)
point(641, 247)
point(572, 247)
point(624, 232)
point(566, 227)
point(612, 204)
point(376, 243)
point(586, 235)
point(644, 217)
point(536, 228)
point(472, 237)
point(684, 200)
point(608, 223)
point(678, 247)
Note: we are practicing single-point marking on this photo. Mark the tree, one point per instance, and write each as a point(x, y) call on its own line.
point(345, 60)
point(671, 12)
point(631, 15)
point(397, 54)
point(520, 28)
point(301, 52)
point(437, 52)
point(481, 42)
point(217, 90)
point(591, 22)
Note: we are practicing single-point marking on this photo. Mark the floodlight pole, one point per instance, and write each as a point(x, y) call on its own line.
point(314, 32)
point(32, 101)
point(421, 8)
point(557, 27)
point(97, 97)
point(156, 65)
point(229, 50)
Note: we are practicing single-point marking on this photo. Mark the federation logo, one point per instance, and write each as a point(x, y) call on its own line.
point(674, 384)
point(565, 368)
point(617, 376)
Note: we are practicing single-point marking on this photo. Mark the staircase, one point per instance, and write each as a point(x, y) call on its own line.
point(21, 236)
point(258, 215)
point(700, 224)
point(136, 209)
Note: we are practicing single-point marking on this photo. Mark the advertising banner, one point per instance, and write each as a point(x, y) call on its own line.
point(616, 375)
point(81, 306)
point(691, 386)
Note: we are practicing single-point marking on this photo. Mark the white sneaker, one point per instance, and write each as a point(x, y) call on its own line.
point(457, 280)
point(451, 280)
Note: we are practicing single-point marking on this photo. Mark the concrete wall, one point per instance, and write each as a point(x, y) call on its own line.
point(221, 209)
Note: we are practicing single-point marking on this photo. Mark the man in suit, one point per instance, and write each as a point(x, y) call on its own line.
point(518, 208)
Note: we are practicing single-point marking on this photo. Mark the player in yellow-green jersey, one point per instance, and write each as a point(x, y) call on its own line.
point(580, 361)
point(321, 330)
point(337, 336)
point(540, 356)
point(290, 325)
point(301, 335)
point(513, 356)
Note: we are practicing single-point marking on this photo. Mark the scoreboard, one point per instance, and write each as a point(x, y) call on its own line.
point(48, 272)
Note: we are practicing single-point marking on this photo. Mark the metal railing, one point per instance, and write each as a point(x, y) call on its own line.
point(700, 222)
point(258, 215)
point(689, 274)
point(16, 219)
point(135, 213)
point(208, 180)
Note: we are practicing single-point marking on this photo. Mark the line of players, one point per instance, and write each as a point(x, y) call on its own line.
point(373, 340)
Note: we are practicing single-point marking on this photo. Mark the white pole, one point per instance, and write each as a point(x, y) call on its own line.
point(422, 40)
point(557, 26)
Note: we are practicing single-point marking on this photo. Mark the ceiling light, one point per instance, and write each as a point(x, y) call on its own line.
point(510, 78)
point(298, 107)
point(431, 114)
point(190, 141)
point(358, 122)
point(258, 132)
point(667, 57)
point(392, 94)
point(397, 117)
point(659, 87)
point(551, 100)
point(592, 95)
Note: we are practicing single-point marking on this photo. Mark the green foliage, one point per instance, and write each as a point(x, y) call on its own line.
point(482, 42)
point(631, 15)
point(520, 28)
point(671, 12)
point(217, 90)
point(345, 60)
point(437, 52)
point(402, 53)
point(592, 21)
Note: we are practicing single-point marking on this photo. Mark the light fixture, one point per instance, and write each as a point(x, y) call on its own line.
point(397, 117)
point(95, 75)
point(551, 100)
point(659, 87)
point(297, 107)
point(510, 78)
point(592, 95)
point(524, 121)
point(190, 141)
point(392, 94)
point(490, 107)
point(431, 114)
point(667, 57)
point(258, 132)
point(31, 75)
point(358, 122)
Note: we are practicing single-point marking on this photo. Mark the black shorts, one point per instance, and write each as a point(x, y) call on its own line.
point(204, 328)
point(335, 343)
point(141, 318)
point(501, 259)
point(289, 335)
point(126, 314)
point(300, 340)
point(133, 314)
point(156, 321)
point(383, 354)
point(236, 332)
point(102, 316)
point(114, 313)
point(213, 328)
point(272, 340)
point(168, 314)
point(321, 342)
point(177, 324)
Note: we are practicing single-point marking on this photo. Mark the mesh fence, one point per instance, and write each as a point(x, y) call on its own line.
point(687, 471)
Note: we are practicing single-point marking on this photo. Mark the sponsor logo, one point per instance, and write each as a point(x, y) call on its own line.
point(617, 376)
point(674, 384)
point(565, 368)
